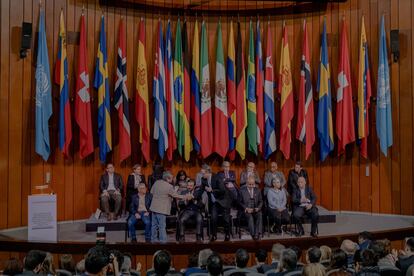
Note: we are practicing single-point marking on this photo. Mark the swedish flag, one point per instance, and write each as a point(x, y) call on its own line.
point(104, 110)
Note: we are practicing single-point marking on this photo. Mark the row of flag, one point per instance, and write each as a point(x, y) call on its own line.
point(244, 101)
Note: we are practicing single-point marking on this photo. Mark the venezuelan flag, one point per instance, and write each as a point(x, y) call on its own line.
point(101, 83)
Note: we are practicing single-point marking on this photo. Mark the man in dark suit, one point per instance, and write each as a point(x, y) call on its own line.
point(219, 201)
point(134, 179)
point(294, 174)
point(140, 209)
point(191, 209)
point(251, 202)
point(250, 171)
point(304, 203)
point(229, 179)
point(111, 188)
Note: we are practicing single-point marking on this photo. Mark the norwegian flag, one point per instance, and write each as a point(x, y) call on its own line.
point(121, 97)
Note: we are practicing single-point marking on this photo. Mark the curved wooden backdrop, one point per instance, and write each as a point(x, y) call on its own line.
point(380, 184)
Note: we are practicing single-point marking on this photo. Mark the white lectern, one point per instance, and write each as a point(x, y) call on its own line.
point(42, 216)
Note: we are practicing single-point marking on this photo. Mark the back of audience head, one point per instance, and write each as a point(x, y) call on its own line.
point(261, 256)
point(242, 258)
point(13, 267)
point(97, 260)
point(214, 264)
point(34, 260)
point(349, 247)
point(297, 251)
point(378, 248)
point(162, 262)
point(365, 258)
point(192, 260)
point(364, 236)
point(313, 255)
point(313, 269)
point(126, 265)
point(203, 257)
point(339, 259)
point(326, 253)
point(409, 245)
point(80, 267)
point(288, 260)
point(277, 249)
point(47, 266)
point(66, 263)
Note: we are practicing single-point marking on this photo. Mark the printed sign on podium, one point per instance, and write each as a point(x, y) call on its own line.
point(42, 216)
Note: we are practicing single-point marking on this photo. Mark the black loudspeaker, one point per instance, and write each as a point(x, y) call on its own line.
point(395, 44)
point(26, 42)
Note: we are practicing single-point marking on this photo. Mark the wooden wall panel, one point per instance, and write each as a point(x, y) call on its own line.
point(349, 182)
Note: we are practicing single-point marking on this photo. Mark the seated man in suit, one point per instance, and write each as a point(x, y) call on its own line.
point(293, 176)
point(252, 202)
point(134, 179)
point(250, 171)
point(139, 209)
point(273, 173)
point(304, 203)
point(190, 209)
point(111, 188)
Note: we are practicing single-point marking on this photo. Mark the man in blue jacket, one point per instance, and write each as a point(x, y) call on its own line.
point(140, 209)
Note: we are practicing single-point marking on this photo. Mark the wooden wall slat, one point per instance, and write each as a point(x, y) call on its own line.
point(340, 183)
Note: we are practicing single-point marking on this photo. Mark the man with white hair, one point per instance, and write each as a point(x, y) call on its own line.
point(349, 247)
point(162, 195)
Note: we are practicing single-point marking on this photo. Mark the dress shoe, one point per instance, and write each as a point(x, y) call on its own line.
point(199, 238)
point(256, 237)
point(227, 237)
point(314, 234)
point(213, 238)
point(181, 239)
point(133, 240)
point(300, 232)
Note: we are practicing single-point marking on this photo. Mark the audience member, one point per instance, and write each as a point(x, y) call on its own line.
point(378, 247)
point(298, 253)
point(80, 267)
point(326, 253)
point(339, 264)
point(66, 263)
point(366, 263)
point(349, 247)
point(272, 174)
point(313, 269)
point(406, 257)
point(140, 210)
point(97, 261)
point(134, 179)
point(33, 262)
point(313, 255)
point(126, 266)
point(241, 259)
point(250, 171)
point(251, 202)
point(364, 239)
point(162, 263)
point(276, 253)
point(13, 267)
point(261, 262)
point(111, 187)
point(276, 202)
point(214, 265)
point(288, 263)
point(47, 265)
point(294, 174)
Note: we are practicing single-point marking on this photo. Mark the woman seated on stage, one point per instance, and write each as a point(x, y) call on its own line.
point(278, 213)
point(134, 179)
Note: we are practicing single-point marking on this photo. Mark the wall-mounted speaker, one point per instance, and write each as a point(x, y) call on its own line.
point(26, 42)
point(395, 44)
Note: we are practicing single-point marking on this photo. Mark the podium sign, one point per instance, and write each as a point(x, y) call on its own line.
point(42, 216)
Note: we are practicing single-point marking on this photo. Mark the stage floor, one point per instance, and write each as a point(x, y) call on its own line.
point(346, 223)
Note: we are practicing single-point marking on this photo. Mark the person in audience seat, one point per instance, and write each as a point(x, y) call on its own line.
point(13, 267)
point(260, 260)
point(276, 253)
point(97, 261)
point(366, 263)
point(294, 174)
point(162, 265)
point(214, 265)
point(111, 186)
point(339, 264)
point(287, 264)
point(251, 202)
point(406, 257)
point(364, 239)
point(304, 203)
point(33, 262)
point(140, 210)
point(191, 209)
point(276, 209)
point(241, 260)
point(201, 262)
point(134, 179)
point(250, 171)
point(271, 174)
point(349, 247)
point(326, 253)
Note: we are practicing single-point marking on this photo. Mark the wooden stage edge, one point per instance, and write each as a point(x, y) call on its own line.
point(183, 248)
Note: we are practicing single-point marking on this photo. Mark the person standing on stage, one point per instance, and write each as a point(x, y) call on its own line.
point(111, 188)
point(134, 179)
point(304, 203)
point(191, 209)
point(251, 202)
point(294, 174)
point(162, 195)
point(140, 209)
point(270, 175)
point(219, 201)
point(250, 171)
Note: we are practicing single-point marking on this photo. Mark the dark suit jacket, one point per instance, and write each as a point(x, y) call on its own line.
point(131, 185)
point(196, 204)
point(222, 195)
point(103, 185)
point(135, 203)
point(296, 196)
point(293, 179)
point(245, 198)
point(232, 176)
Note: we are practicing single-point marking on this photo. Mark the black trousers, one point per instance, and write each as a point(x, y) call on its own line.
point(187, 215)
point(216, 210)
point(254, 222)
point(278, 218)
point(312, 213)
